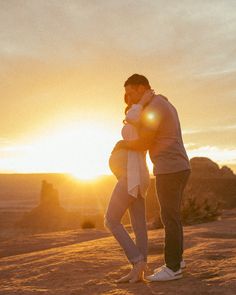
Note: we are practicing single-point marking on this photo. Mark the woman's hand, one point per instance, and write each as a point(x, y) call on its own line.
point(119, 145)
point(147, 96)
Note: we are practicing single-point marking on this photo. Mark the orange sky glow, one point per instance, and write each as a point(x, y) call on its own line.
point(64, 63)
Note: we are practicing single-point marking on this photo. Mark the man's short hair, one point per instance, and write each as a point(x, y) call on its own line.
point(137, 79)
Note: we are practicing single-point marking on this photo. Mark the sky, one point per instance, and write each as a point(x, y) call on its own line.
point(63, 65)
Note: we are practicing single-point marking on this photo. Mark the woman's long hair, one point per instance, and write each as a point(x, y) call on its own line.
point(127, 107)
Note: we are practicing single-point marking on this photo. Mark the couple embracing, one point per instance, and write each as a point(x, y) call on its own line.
point(151, 124)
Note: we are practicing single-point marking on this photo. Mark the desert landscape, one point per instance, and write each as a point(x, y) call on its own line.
point(92, 91)
point(43, 253)
point(88, 261)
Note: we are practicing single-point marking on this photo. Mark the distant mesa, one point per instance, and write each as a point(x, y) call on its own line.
point(227, 172)
point(205, 167)
point(48, 215)
point(49, 196)
point(207, 178)
point(209, 186)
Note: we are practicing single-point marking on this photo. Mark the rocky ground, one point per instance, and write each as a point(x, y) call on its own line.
point(88, 262)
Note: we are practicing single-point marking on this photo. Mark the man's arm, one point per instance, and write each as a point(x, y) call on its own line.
point(143, 143)
point(148, 124)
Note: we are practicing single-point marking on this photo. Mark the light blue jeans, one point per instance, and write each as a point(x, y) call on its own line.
point(120, 201)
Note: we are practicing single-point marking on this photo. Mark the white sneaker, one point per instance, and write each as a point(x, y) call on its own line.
point(165, 274)
point(182, 266)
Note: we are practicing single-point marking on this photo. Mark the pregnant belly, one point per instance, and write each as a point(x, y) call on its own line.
point(118, 162)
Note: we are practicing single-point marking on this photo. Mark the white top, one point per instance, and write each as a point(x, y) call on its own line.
point(137, 170)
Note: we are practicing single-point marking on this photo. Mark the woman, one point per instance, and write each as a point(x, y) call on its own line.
point(131, 171)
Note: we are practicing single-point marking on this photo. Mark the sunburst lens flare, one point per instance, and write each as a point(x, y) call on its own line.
point(151, 119)
point(151, 116)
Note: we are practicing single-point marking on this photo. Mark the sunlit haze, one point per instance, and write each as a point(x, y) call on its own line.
point(64, 63)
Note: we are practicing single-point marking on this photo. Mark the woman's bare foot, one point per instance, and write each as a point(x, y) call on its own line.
point(125, 278)
point(137, 273)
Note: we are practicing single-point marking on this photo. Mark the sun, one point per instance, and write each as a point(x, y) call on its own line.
point(81, 149)
point(85, 175)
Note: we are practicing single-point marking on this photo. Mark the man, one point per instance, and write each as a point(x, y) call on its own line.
point(160, 134)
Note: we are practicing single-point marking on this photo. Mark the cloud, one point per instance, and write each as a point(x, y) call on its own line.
point(210, 129)
point(220, 155)
point(80, 29)
point(4, 141)
point(221, 136)
point(60, 58)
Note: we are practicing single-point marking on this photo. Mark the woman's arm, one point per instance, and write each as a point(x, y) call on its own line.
point(134, 113)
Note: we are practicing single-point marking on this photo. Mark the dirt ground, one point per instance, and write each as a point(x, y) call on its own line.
point(88, 262)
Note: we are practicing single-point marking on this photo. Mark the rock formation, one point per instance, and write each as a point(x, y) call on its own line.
point(209, 189)
point(203, 167)
point(49, 196)
point(48, 215)
point(210, 181)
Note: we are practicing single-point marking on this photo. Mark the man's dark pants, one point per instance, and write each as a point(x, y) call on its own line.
point(170, 189)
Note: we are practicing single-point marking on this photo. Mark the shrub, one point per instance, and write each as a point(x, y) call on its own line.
point(194, 211)
point(88, 224)
point(197, 212)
